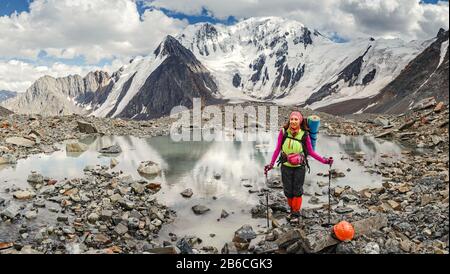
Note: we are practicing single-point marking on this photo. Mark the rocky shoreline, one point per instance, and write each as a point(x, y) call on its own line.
point(109, 212)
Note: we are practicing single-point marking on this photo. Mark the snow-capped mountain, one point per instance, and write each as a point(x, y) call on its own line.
point(427, 75)
point(277, 59)
point(267, 58)
point(151, 86)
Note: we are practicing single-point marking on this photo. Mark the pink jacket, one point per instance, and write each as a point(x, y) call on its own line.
point(308, 147)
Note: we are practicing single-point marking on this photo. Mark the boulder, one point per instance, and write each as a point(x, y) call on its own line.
point(76, 147)
point(85, 127)
point(149, 168)
point(19, 141)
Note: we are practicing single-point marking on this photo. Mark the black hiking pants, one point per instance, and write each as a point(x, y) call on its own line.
point(293, 179)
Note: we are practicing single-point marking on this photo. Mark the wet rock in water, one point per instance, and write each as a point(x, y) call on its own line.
point(258, 211)
point(20, 141)
point(200, 209)
point(62, 218)
point(149, 168)
point(35, 178)
point(7, 159)
point(184, 246)
point(11, 211)
point(76, 147)
point(224, 214)
point(32, 214)
point(113, 163)
point(187, 193)
point(217, 176)
point(23, 195)
point(371, 248)
point(85, 127)
point(68, 230)
point(244, 234)
point(114, 149)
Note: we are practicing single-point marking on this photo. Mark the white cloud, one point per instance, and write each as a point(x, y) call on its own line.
point(18, 75)
point(94, 29)
point(407, 19)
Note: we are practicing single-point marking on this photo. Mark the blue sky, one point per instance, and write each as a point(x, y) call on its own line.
point(59, 39)
point(7, 7)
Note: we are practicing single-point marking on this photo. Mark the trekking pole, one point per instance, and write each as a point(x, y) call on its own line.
point(329, 194)
point(267, 203)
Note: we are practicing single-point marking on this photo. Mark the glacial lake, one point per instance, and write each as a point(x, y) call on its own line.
point(220, 173)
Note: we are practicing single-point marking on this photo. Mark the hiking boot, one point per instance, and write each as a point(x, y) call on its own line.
point(295, 217)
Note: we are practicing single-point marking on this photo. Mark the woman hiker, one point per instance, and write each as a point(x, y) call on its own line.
point(295, 145)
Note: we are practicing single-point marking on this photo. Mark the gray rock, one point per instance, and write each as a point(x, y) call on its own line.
point(200, 209)
point(224, 214)
point(32, 214)
point(35, 178)
point(149, 168)
point(11, 211)
point(371, 248)
point(187, 193)
point(121, 229)
point(185, 247)
point(343, 210)
point(133, 223)
point(7, 159)
point(244, 234)
point(114, 149)
point(381, 121)
point(68, 230)
point(106, 215)
point(62, 218)
point(138, 188)
point(85, 127)
point(19, 141)
point(93, 217)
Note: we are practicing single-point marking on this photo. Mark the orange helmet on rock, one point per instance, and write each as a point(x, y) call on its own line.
point(344, 231)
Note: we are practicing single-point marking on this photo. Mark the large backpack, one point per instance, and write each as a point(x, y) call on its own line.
point(283, 158)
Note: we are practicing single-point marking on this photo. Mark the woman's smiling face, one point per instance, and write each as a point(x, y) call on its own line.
point(294, 122)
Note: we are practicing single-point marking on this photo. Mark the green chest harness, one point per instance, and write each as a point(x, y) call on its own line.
point(291, 144)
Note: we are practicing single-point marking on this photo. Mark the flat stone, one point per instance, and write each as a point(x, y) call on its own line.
point(244, 234)
point(32, 214)
point(200, 209)
point(121, 229)
point(23, 195)
point(343, 210)
point(187, 193)
point(114, 149)
point(11, 211)
point(394, 205)
point(19, 141)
